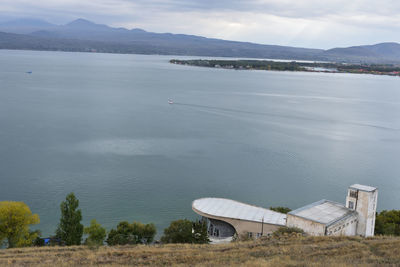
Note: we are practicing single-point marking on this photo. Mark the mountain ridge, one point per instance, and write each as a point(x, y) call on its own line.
point(85, 35)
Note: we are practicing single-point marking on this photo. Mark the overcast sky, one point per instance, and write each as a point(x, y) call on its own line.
point(305, 23)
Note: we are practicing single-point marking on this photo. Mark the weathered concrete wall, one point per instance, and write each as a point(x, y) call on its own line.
point(366, 208)
point(346, 227)
point(310, 227)
point(242, 226)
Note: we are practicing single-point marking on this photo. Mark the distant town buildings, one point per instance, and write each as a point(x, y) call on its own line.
point(226, 217)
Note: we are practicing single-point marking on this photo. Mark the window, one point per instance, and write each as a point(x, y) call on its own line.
point(351, 205)
point(353, 193)
point(250, 234)
point(259, 235)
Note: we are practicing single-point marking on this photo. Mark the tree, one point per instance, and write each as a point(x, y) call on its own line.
point(145, 232)
point(70, 229)
point(15, 218)
point(388, 223)
point(135, 233)
point(200, 234)
point(96, 233)
point(179, 231)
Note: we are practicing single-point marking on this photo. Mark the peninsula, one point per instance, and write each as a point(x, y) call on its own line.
point(329, 67)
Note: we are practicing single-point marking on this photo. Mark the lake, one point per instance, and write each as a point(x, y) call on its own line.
point(100, 125)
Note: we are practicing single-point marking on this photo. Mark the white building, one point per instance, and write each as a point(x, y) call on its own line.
point(226, 217)
point(326, 217)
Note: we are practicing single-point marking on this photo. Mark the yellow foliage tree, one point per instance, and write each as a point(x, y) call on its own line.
point(15, 218)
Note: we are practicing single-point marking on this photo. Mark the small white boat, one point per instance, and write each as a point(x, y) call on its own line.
point(170, 101)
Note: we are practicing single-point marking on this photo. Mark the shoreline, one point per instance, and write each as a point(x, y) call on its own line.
point(293, 66)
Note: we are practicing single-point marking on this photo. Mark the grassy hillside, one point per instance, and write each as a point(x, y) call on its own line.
point(289, 251)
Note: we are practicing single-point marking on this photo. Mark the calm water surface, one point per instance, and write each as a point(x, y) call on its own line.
point(100, 125)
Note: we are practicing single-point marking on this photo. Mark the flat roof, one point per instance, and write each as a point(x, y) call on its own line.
point(324, 211)
point(227, 208)
point(363, 187)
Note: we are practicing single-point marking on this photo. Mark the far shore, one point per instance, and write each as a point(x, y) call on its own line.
point(326, 67)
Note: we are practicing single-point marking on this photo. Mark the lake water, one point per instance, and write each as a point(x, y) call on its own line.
point(100, 125)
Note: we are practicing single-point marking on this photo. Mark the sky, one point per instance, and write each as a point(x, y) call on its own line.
point(302, 23)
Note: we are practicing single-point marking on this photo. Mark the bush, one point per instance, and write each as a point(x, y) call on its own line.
point(179, 231)
point(200, 235)
point(388, 223)
point(288, 231)
point(135, 233)
point(185, 231)
point(96, 233)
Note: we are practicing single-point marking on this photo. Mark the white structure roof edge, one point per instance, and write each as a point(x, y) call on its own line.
point(363, 187)
point(227, 208)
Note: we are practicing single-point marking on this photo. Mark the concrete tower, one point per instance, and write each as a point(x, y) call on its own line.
point(363, 199)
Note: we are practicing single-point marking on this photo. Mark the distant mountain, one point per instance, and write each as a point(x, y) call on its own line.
point(384, 51)
point(84, 35)
point(25, 26)
point(87, 30)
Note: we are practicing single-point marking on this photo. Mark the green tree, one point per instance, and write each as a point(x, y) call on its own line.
point(179, 231)
point(15, 219)
point(147, 232)
point(96, 233)
point(388, 223)
point(200, 234)
point(70, 229)
point(122, 235)
point(135, 233)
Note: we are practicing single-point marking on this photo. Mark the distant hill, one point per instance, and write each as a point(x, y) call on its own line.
point(25, 26)
point(384, 51)
point(84, 35)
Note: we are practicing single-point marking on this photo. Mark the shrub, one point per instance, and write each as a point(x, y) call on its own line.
point(388, 223)
point(96, 233)
point(179, 231)
point(135, 233)
point(185, 231)
point(287, 231)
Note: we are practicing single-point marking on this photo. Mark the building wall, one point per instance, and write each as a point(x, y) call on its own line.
point(310, 227)
point(242, 226)
point(366, 208)
point(347, 226)
point(365, 204)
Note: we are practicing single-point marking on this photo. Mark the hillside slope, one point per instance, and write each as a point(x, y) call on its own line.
point(294, 251)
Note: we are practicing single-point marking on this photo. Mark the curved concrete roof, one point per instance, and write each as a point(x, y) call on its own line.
point(227, 208)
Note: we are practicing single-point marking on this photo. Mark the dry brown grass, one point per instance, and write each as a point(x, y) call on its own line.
point(292, 251)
